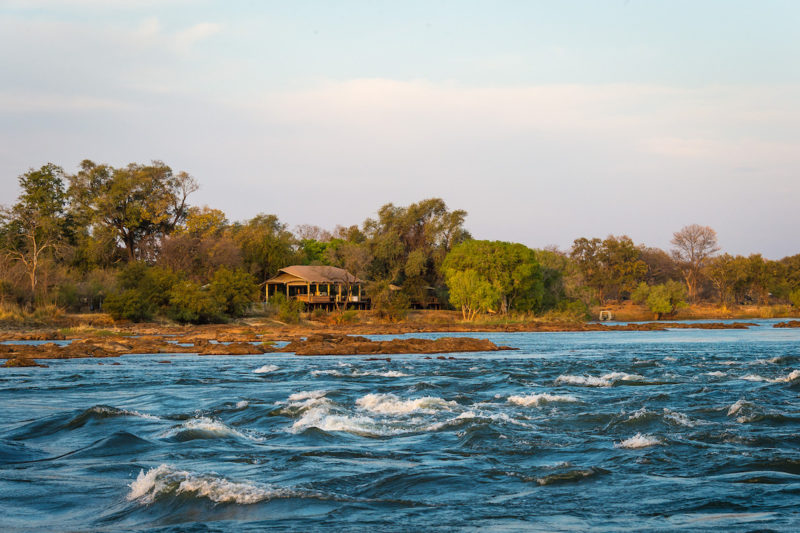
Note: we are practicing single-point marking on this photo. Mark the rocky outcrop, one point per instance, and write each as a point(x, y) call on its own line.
point(331, 344)
point(789, 324)
point(22, 362)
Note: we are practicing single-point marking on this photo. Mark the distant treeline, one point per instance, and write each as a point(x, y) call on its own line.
point(129, 241)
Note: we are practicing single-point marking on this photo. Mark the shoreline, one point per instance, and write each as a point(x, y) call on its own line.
point(257, 336)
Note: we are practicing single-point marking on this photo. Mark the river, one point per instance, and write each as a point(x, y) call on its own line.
point(676, 430)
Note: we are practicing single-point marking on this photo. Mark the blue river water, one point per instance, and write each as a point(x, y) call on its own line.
point(608, 431)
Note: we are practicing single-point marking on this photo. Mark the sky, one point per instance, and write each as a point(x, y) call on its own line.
point(546, 121)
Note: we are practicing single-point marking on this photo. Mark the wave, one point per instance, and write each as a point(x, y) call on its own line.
point(359, 373)
point(606, 380)
point(569, 476)
point(265, 369)
point(322, 418)
point(106, 411)
point(306, 395)
point(794, 375)
point(204, 428)
point(165, 480)
point(392, 405)
point(539, 399)
point(242, 404)
point(638, 441)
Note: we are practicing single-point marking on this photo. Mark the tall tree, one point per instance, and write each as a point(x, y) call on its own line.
point(409, 244)
point(36, 224)
point(266, 245)
point(694, 245)
point(612, 267)
point(137, 204)
point(510, 268)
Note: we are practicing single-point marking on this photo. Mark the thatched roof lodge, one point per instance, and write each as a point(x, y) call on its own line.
point(318, 286)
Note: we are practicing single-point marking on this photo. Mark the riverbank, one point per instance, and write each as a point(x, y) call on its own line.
point(256, 336)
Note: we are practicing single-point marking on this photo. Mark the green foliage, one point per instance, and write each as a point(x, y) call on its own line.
point(129, 304)
point(612, 267)
point(233, 291)
point(407, 245)
point(387, 301)
point(189, 302)
point(470, 292)
point(511, 269)
point(266, 246)
point(314, 252)
point(640, 293)
point(663, 299)
point(288, 310)
point(794, 297)
point(137, 204)
point(145, 292)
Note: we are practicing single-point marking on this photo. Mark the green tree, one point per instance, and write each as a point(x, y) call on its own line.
point(510, 268)
point(470, 292)
point(136, 205)
point(611, 267)
point(662, 299)
point(266, 246)
point(36, 225)
point(407, 245)
point(234, 290)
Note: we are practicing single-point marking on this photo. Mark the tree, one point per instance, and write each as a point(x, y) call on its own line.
point(407, 245)
point(662, 299)
point(511, 269)
point(694, 245)
point(36, 225)
point(136, 205)
point(266, 245)
point(471, 293)
point(612, 267)
point(728, 274)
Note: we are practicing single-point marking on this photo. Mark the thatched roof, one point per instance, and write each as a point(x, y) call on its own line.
point(313, 274)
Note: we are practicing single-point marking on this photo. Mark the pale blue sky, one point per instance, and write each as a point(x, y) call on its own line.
point(546, 121)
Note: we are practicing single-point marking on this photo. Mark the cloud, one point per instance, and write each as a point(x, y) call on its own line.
point(185, 39)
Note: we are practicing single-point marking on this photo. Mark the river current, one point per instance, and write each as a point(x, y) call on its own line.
point(677, 430)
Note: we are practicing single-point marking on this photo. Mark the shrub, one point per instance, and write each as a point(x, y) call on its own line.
point(794, 297)
point(287, 310)
point(234, 290)
point(189, 302)
point(129, 304)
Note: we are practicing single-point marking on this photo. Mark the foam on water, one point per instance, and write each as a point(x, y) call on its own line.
point(638, 441)
point(208, 426)
point(792, 376)
point(307, 395)
point(392, 405)
point(242, 404)
point(539, 399)
point(166, 480)
point(265, 369)
point(105, 410)
point(359, 373)
point(590, 381)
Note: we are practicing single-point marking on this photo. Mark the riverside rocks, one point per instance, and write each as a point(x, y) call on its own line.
point(789, 324)
point(331, 344)
point(22, 362)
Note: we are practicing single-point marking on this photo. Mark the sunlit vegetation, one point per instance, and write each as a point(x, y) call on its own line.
point(129, 242)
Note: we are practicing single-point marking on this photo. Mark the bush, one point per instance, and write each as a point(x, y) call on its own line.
point(664, 299)
point(130, 304)
point(387, 303)
point(189, 302)
point(287, 310)
point(234, 290)
point(794, 297)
